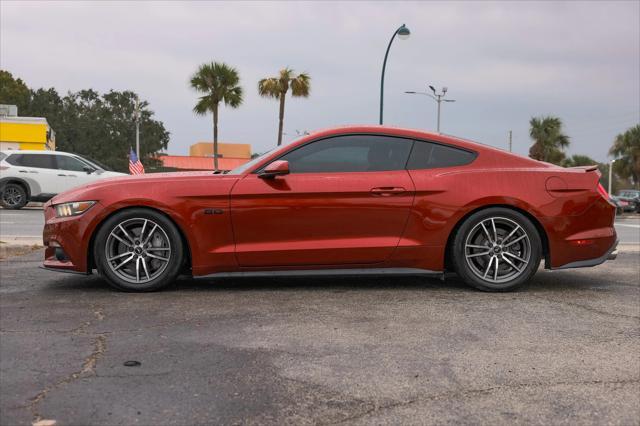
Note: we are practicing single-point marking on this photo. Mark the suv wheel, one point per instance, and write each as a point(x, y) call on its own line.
point(497, 249)
point(14, 196)
point(138, 250)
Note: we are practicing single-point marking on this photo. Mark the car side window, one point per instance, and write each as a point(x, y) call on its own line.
point(39, 161)
point(350, 153)
point(15, 159)
point(69, 163)
point(428, 155)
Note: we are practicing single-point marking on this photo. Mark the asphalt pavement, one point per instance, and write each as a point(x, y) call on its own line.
point(410, 350)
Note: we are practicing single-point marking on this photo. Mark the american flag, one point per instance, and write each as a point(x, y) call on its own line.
point(135, 166)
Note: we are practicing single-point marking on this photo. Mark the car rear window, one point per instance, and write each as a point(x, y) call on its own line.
point(15, 159)
point(2, 156)
point(428, 155)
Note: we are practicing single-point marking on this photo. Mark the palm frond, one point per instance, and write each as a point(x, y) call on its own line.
point(301, 85)
point(269, 87)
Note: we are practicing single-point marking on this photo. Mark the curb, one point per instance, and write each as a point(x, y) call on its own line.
point(9, 250)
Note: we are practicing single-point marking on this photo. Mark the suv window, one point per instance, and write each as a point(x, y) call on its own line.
point(70, 163)
point(350, 153)
point(39, 161)
point(428, 155)
point(2, 156)
point(14, 159)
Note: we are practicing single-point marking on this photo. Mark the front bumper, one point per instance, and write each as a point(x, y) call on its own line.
point(67, 240)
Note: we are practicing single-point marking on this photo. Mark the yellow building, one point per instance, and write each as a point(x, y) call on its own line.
point(226, 150)
point(26, 133)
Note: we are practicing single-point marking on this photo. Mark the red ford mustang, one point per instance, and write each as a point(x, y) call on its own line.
point(352, 200)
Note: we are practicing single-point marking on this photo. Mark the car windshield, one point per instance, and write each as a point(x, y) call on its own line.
point(95, 164)
point(246, 166)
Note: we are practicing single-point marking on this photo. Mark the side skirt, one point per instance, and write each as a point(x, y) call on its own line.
point(370, 272)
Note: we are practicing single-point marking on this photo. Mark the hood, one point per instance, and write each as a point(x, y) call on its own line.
point(135, 186)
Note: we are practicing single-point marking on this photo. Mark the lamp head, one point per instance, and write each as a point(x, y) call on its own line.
point(403, 32)
point(433, 89)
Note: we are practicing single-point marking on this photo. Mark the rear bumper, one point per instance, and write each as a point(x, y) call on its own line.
point(611, 254)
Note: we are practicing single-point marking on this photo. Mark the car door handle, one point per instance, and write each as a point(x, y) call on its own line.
point(387, 191)
point(61, 175)
point(23, 171)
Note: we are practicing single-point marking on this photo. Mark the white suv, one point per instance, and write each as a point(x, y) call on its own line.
point(39, 175)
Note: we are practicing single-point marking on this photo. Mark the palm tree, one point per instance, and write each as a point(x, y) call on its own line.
point(626, 148)
point(219, 83)
point(277, 87)
point(578, 160)
point(549, 140)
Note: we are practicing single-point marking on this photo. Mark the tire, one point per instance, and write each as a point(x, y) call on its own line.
point(14, 196)
point(503, 266)
point(138, 250)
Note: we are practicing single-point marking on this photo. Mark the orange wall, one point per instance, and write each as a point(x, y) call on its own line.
point(232, 150)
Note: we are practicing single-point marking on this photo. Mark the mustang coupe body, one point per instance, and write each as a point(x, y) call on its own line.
point(365, 199)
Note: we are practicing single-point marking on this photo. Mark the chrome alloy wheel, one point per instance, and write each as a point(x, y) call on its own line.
point(497, 250)
point(11, 196)
point(138, 250)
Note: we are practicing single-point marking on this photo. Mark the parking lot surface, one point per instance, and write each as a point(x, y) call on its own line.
point(563, 350)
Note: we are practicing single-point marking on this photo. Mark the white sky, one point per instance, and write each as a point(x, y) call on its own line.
point(502, 61)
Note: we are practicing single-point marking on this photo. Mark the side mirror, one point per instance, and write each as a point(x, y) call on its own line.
point(277, 168)
point(88, 169)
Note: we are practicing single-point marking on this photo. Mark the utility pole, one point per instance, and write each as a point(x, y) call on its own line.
point(136, 117)
point(510, 140)
point(439, 98)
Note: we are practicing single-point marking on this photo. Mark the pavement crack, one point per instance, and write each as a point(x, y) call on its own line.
point(88, 370)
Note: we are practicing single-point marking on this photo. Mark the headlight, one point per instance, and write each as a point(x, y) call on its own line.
point(73, 209)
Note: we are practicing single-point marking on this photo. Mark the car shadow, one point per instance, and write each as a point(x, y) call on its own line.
point(543, 282)
point(94, 283)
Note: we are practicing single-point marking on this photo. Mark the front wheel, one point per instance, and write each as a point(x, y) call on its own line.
point(138, 250)
point(497, 249)
point(13, 196)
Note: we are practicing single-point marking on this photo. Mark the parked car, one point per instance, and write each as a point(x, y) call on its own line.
point(39, 175)
point(621, 205)
point(632, 199)
point(351, 200)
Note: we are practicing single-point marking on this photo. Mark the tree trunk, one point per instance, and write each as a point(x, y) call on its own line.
point(281, 118)
point(215, 138)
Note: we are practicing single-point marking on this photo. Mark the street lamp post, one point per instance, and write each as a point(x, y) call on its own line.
point(136, 117)
point(404, 33)
point(439, 98)
point(610, 175)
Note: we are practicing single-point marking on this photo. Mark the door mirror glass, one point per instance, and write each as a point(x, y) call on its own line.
point(88, 169)
point(274, 169)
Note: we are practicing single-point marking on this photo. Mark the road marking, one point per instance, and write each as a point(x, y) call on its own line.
point(8, 223)
point(628, 225)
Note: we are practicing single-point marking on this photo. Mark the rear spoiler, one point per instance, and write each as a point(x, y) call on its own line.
point(585, 168)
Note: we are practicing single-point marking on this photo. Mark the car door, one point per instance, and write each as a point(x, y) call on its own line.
point(345, 201)
point(73, 171)
point(39, 169)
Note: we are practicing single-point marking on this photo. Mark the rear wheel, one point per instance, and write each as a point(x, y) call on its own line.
point(138, 250)
point(497, 249)
point(14, 196)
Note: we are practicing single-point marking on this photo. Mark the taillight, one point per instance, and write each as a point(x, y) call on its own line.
point(603, 192)
point(4, 167)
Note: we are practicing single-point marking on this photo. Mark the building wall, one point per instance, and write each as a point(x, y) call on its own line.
point(231, 150)
point(25, 135)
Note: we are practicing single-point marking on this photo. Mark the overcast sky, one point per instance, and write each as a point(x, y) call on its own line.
point(503, 62)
